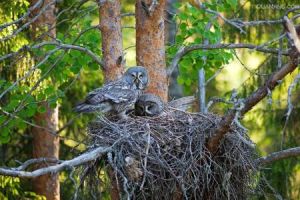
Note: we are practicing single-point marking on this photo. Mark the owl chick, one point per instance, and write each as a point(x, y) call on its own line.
point(118, 96)
point(152, 105)
point(149, 105)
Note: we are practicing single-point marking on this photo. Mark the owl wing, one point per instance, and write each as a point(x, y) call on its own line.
point(116, 92)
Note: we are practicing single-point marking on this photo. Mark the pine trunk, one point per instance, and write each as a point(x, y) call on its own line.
point(112, 48)
point(45, 144)
point(150, 44)
point(112, 44)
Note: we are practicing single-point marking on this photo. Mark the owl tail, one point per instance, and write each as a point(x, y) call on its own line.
point(89, 108)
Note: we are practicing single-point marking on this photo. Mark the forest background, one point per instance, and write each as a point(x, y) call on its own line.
point(68, 74)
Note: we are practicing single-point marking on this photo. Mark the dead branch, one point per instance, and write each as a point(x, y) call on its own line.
point(26, 25)
point(23, 17)
point(249, 102)
point(183, 50)
point(74, 47)
point(224, 126)
point(79, 160)
point(279, 155)
point(27, 163)
point(291, 33)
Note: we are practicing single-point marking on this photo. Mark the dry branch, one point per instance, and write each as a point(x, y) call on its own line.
point(186, 49)
point(79, 160)
point(292, 33)
point(260, 93)
point(280, 155)
point(249, 102)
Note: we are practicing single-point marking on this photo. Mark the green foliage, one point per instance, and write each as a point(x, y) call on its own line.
point(10, 188)
point(63, 79)
point(68, 75)
point(199, 27)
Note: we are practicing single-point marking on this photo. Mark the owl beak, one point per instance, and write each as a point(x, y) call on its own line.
point(139, 83)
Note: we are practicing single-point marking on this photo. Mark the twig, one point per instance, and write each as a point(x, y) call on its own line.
point(183, 50)
point(79, 160)
point(75, 47)
point(27, 163)
point(201, 88)
point(26, 25)
point(290, 107)
point(252, 100)
point(275, 156)
point(22, 18)
point(292, 33)
point(146, 155)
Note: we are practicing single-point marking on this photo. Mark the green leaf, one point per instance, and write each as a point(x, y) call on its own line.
point(188, 81)
point(12, 105)
point(183, 26)
point(41, 109)
point(232, 3)
point(75, 69)
point(183, 16)
point(53, 104)
point(180, 80)
point(31, 110)
point(93, 66)
point(49, 90)
point(4, 135)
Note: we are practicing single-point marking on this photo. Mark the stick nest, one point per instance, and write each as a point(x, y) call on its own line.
point(165, 157)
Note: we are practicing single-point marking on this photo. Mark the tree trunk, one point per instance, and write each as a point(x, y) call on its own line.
point(45, 144)
point(150, 47)
point(112, 48)
point(112, 44)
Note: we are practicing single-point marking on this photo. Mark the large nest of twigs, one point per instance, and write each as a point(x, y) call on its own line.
point(165, 157)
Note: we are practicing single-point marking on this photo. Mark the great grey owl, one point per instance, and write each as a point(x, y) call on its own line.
point(116, 97)
point(152, 105)
point(149, 105)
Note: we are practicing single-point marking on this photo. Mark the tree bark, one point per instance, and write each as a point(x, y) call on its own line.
point(112, 44)
point(150, 47)
point(113, 58)
point(45, 144)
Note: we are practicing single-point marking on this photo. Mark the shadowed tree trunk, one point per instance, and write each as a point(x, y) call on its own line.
point(150, 46)
point(110, 27)
point(45, 144)
point(111, 31)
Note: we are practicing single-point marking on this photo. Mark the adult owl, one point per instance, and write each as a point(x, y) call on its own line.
point(151, 105)
point(116, 97)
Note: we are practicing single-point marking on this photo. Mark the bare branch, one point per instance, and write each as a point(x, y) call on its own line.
point(232, 23)
point(75, 47)
point(84, 158)
point(183, 50)
point(280, 155)
point(292, 33)
point(290, 107)
point(26, 25)
point(22, 18)
point(259, 22)
point(249, 102)
point(27, 163)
